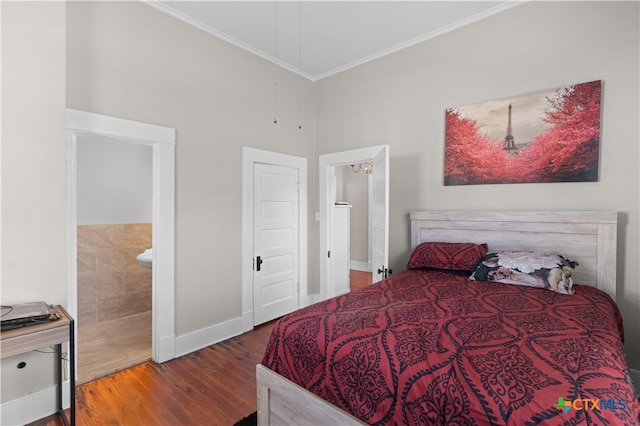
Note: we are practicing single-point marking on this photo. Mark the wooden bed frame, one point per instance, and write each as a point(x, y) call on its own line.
point(588, 237)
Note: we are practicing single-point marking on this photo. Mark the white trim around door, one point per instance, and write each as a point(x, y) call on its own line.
point(162, 139)
point(327, 191)
point(251, 156)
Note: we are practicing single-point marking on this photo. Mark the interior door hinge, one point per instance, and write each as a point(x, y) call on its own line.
point(329, 253)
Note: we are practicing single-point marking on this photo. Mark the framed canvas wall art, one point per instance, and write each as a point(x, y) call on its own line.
point(547, 136)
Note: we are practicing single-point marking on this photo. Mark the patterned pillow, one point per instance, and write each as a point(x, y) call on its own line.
point(451, 256)
point(543, 270)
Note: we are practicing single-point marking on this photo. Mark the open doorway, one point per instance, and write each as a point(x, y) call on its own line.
point(115, 200)
point(161, 142)
point(378, 224)
point(354, 185)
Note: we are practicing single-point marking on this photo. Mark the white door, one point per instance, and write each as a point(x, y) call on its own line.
point(380, 203)
point(276, 251)
point(341, 249)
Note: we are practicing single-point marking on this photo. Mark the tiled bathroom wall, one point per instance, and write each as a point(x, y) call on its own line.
point(111, 283)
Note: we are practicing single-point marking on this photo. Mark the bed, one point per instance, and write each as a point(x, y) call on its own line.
point(431, 346)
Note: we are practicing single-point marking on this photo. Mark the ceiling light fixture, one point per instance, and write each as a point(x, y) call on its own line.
point(366, 166)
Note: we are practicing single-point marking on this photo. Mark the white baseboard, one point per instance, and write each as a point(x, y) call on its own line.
point(247, 321)
point(208, 336)
point(166, 348)
point(360, 266)
point(33, 406)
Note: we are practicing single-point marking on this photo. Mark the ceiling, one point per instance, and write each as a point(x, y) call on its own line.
point(319, 38)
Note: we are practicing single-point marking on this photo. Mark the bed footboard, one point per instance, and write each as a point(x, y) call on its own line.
point(282, 402)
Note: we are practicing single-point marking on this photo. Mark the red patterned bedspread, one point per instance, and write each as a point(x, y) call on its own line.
point(425, 347)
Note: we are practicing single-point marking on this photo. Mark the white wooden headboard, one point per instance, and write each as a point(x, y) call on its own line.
point(588, 237)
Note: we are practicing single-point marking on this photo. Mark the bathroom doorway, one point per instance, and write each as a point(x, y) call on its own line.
point(114, 205)
point(110, 221)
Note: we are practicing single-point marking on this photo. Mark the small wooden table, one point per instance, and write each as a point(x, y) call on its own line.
point(32, 337)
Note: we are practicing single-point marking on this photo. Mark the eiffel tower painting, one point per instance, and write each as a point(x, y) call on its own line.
point(509, 140)
point(558, 133)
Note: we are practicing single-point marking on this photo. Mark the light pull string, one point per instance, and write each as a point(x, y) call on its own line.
point(300, 60)
point(275, 62)
point(275, 102)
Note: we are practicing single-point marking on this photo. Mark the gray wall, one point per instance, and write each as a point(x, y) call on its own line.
point(400, 100)
point(114, 181)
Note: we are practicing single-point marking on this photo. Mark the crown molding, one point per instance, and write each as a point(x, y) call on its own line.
point(316, 77)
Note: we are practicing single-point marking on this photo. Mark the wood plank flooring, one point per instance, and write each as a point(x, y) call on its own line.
point(358, 279)
point(213, 386)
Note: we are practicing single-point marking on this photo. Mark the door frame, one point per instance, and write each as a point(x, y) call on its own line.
point(326, 169)
point(250, 156)
point(162, 140)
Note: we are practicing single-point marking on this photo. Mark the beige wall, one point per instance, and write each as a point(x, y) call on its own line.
point(132, 61)
point(33, 171)
point(400, 100)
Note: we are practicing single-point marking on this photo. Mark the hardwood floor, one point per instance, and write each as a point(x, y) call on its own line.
point(213, 386)
point(359, 279)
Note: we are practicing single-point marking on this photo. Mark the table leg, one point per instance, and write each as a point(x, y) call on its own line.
point(71, 420)
point(72, 371)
